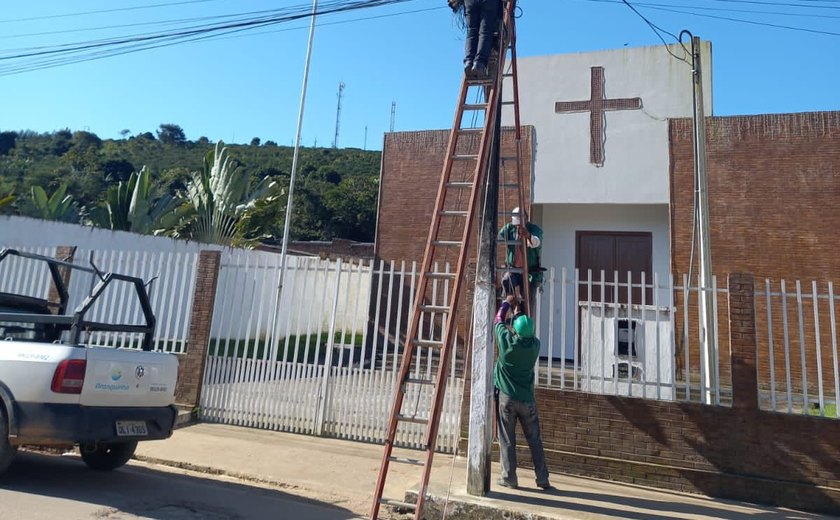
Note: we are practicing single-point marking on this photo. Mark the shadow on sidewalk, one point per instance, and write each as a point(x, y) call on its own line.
point(144, 492)
point(559, 499)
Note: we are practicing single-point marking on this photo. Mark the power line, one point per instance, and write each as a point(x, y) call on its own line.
point(721, 9)
point(658, 30)
point(750, 22)
point(136, 8)
point(47, 57)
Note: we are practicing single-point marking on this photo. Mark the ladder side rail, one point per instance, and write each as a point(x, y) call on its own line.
point(405, 366)
point(525, 208)
point(440, 386)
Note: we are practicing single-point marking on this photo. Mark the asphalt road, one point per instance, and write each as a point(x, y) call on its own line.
point(39, 486)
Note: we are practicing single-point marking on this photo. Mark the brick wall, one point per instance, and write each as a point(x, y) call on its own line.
point(773, 185)
point(191, 366)
point(739, 452)
point(412, 163)
point(332, 249)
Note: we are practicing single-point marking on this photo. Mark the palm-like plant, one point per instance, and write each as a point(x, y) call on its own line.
point(6, 201)
point(58, 206)
point(132, 206)
point(219, 195)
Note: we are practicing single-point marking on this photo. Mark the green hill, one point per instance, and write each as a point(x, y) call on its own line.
point(335, 191)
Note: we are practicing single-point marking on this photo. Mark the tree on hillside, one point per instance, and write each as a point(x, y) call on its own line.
point(255, 141)
point(116, 170)
point(171, 134)
point(7, 142)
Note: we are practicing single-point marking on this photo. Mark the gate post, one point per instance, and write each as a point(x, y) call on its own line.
point(743, 342)
point(191, 366)
point(323, 392)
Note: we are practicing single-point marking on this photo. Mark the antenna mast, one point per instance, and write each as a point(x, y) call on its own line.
point(338, 113)
point(393, 114)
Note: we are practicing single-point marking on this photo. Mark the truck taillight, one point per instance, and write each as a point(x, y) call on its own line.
point(69, 377)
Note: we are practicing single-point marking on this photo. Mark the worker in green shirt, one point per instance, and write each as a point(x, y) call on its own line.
point(512, 281)
point(514, 381)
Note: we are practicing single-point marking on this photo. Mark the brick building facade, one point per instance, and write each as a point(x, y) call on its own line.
point(772, 183)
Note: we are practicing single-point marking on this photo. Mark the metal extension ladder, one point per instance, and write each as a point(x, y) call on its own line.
point(462, 182)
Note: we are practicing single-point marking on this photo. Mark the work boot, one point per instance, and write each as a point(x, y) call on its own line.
point(504, 483)
point(479, 70)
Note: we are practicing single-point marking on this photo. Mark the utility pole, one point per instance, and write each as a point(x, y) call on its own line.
point(708, 333)
point(338, 113)
point(393, 114)
point(287, 223)
point(480, 438)
point(365, 145)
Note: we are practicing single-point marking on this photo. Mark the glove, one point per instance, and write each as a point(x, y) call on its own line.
point(454, 4)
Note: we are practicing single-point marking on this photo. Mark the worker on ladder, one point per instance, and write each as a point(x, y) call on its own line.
point(513, 281)
point(481, 18)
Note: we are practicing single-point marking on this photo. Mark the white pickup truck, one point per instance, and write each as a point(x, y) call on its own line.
point(56, 392)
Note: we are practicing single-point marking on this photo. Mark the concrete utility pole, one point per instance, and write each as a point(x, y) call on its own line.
point(480, 442)
point(287, 223)
point(708, 332)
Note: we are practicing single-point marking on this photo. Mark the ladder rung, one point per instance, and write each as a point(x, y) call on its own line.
point(412, 419)
point(404, 460)
point(508, 186)
point(397, 503)
point(453, 213)
point(416, 381)
point(446, 243)
point(479, 81)
point(434, 308)
point(508, 157)
point(507, 213)
point(509, 242)
point(510, 269)
point(471, 106)
point(470, 130)
point(447, 276)
point(464, 157)
point(427, 343)
point(460, 185)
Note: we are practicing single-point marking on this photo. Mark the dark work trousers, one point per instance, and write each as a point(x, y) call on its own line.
point(482, 17)
point(509, 411)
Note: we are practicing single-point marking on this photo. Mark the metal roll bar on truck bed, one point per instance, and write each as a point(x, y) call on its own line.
point(75, 322)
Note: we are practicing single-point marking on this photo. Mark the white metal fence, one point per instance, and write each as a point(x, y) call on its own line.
point(171, 288)
point(324, 361)
point(625, 334)
point(797, 347)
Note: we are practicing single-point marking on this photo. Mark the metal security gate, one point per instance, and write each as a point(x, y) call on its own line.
point(323, 360)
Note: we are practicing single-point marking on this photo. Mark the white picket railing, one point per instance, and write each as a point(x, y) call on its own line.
point(318, 362)
point(797, 348)
point(591, 328)
point(171, 288)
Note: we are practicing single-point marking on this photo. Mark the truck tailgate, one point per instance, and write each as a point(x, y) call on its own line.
point(126, 377)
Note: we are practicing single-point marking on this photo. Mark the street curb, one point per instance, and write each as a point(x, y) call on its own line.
point(469, 510)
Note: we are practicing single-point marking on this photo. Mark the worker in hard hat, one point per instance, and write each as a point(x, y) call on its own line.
point(514, 381)
point(511, 233)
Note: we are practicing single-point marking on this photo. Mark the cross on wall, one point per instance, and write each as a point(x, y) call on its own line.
point(596, 105)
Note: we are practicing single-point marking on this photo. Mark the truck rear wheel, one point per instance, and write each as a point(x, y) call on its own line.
point(106, 456)
point(7, 451)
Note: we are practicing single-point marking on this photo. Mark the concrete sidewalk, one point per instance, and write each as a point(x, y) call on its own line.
point(344, 473)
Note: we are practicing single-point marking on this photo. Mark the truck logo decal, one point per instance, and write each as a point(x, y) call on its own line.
point(112, 388)
point(116, 374)
point(139, 371)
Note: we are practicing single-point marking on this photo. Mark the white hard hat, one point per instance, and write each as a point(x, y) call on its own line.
point(515, 210)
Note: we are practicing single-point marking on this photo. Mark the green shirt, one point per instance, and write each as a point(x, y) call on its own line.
point(508, 232)
point(514, 372)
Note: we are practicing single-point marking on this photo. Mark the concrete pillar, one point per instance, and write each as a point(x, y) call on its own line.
point(191, 367)
point(743, 342)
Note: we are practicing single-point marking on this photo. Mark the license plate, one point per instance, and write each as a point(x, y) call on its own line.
point(132, 429)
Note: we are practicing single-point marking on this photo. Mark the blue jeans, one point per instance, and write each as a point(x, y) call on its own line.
point(511, 410)
point(482, 17)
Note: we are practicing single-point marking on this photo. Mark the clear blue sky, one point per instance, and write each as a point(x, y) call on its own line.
point(236, 88)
